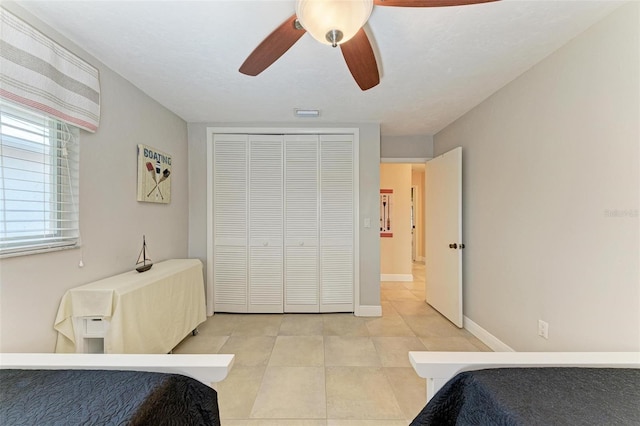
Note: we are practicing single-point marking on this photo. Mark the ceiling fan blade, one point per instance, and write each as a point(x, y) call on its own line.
point(272, 47)
point(428, 3)
point(358, 54)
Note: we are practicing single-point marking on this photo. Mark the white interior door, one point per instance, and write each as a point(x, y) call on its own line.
point(443, 234)
point(265, 223)
point(301, 283)
point(230, 223)
point(336, 223)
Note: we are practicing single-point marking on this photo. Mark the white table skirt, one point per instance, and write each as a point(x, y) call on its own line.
point(149, 312)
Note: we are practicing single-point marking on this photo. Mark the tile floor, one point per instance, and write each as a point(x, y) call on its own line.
point(329, 369)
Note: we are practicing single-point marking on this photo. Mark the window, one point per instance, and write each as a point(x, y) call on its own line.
point(38, 182)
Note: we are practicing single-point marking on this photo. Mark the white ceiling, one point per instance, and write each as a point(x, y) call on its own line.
point(435, 63)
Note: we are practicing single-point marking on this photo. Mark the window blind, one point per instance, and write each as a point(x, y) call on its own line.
point(39, 171)
point(42, 75)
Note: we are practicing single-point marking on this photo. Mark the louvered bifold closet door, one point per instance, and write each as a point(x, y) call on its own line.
point(230, 223)
point(265, 223)
point(336, 223)
point(301, 283)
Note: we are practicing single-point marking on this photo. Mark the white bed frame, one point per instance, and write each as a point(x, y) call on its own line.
point(439, 367)
point(207, 369)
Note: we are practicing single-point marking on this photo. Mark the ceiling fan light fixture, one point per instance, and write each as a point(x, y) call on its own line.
point(326, 19)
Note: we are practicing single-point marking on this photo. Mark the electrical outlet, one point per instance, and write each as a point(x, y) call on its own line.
point(543, 329)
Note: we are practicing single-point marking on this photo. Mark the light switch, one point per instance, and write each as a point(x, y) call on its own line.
point(367, 222)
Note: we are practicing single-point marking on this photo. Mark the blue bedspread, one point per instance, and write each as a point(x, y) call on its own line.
point(88, 397)
point(537, 396)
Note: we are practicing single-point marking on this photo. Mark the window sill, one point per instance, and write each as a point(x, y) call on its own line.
point(38, 251)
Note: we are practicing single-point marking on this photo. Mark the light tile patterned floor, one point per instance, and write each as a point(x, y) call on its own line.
point(329, 369)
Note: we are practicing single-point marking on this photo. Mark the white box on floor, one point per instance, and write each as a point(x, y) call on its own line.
point(91, 333)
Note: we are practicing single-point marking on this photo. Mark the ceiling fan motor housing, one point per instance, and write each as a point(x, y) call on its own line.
point(333, 22)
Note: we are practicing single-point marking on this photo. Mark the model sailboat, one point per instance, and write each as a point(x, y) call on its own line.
point(144, 263)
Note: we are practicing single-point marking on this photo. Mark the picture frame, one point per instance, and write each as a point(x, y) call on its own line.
point(154, 175)
point(386, 200)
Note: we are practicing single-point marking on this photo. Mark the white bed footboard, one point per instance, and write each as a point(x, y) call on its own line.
point(207, 369)
point(439, 367)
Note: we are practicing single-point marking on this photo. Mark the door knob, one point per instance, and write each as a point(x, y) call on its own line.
point(453, 246)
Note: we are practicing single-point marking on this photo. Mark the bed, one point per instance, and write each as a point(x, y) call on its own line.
point(529, 388)
point(48, 389)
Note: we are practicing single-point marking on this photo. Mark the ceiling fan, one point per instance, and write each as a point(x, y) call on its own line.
point(334, 22)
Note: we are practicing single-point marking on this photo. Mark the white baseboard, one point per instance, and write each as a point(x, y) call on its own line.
point(368, 311)
point(396, 277)
point(485, 337)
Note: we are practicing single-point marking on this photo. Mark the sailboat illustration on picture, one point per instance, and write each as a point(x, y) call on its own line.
point(144, 263)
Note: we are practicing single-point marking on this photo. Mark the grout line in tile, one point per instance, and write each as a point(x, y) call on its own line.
point(370, 336)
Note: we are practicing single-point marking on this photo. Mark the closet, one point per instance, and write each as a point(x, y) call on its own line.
point(283, 223)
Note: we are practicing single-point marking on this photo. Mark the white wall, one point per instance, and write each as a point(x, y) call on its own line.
point(112, 222)
point(545, 162)
point(369, 189)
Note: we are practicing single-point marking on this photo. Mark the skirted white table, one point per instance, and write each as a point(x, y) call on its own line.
point(149, 312)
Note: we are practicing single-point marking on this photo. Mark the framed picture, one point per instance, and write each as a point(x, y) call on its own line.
point(386, 196)
point(154, 175)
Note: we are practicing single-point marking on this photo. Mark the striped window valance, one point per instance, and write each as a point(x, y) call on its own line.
point(38, 73)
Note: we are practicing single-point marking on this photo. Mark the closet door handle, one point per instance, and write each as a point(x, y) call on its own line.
point(453, 246)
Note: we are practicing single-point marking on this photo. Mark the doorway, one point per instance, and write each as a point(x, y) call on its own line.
point(417, 212)
point(414, 201)
point(443, 267)
point(404, 245)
